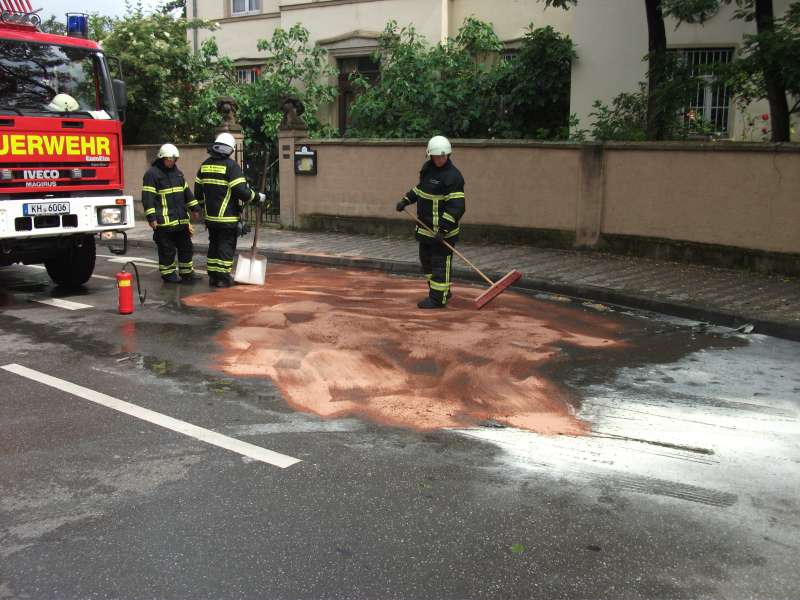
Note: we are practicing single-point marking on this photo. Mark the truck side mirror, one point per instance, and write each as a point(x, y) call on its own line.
point(120, 96)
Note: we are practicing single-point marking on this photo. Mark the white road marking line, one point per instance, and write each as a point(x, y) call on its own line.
point(199, 433)
point(60, 303)
point(93, 276)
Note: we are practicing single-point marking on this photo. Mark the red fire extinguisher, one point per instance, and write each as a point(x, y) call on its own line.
point(125, 287)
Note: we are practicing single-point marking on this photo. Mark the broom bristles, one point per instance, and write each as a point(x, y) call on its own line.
point(498, 288)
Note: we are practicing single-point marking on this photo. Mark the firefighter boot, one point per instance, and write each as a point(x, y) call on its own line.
point(190, 278)
point(429, 303)
point(224, 281)
point(171, 278)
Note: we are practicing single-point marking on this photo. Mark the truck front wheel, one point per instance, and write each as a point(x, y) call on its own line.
point(75, 265)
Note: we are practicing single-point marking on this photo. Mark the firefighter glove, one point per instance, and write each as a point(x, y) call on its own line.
point(402, 204)
point(439, 235)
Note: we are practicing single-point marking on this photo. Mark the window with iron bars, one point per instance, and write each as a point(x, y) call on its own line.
point(711, 99)
point(247, 74)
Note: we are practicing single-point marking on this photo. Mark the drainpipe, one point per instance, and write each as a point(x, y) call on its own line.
point(445, 20)
point(194, 29)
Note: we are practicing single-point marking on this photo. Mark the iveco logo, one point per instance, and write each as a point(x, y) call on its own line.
point(40, 174)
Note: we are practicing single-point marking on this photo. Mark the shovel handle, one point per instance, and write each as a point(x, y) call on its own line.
point(255, 231)
point(456, 252)
point(263, 189)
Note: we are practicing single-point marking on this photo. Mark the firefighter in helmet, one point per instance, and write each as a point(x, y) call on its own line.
point(222, 190)
point(439, 197)
point(168, 202)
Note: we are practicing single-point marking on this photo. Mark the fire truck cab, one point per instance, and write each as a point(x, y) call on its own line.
point(61, 177)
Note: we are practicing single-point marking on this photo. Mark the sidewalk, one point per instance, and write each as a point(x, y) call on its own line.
point(722, 296)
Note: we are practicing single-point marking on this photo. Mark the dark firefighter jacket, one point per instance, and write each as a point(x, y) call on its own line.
point(440, 200)
point(222, 189)
point(166, 198)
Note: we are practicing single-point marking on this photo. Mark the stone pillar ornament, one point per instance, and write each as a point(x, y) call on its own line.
point(292, 109)
point(227, 107)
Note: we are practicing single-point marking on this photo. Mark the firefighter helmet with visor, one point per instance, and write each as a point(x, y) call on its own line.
point(227, 139)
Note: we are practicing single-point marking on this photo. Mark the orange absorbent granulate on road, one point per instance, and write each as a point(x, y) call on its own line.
point(339, 342)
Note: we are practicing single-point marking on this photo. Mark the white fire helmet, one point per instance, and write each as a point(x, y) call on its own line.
point(63, 103)
point(439, 146)
point(168, 151)
point(227, 140)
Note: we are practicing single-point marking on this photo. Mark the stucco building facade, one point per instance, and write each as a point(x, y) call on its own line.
point(611, 39)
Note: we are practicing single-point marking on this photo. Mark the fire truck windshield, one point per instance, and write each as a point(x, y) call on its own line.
point(41, 79)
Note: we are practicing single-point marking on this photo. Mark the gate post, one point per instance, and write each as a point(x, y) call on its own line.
point(288, 138)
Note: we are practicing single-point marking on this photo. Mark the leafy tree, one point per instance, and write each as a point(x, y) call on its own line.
point(534, 86)
point(292, 68)
point(424, 90)
point(171, 90)
point(461, 88)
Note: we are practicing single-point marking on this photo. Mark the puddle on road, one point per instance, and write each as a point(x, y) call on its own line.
point(340, 342)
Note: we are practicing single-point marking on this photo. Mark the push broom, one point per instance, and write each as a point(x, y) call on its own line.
point(496, 287)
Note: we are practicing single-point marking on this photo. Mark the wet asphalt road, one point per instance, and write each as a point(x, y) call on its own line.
point(686, 489)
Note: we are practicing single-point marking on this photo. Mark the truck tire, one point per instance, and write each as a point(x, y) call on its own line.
point(76, 264)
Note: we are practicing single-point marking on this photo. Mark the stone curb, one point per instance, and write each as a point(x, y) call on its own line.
point(684, 310)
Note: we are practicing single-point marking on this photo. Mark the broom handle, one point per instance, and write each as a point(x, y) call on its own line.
point(456, 252)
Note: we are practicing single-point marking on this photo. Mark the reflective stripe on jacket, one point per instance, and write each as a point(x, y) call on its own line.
point(222, 190)
point(440, 200)
point(166, 197)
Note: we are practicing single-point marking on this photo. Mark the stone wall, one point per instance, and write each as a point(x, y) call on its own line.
point(727, 203)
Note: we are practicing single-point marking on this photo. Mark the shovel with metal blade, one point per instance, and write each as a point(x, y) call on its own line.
point(251, 268)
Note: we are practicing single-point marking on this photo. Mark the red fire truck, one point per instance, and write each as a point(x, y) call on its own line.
point(60, 147)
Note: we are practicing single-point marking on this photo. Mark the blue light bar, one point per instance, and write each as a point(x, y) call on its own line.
point(78, 25)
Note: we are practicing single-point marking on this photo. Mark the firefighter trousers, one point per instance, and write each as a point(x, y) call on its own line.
point(221, 248)
point(170, 240)
point(436, 260)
